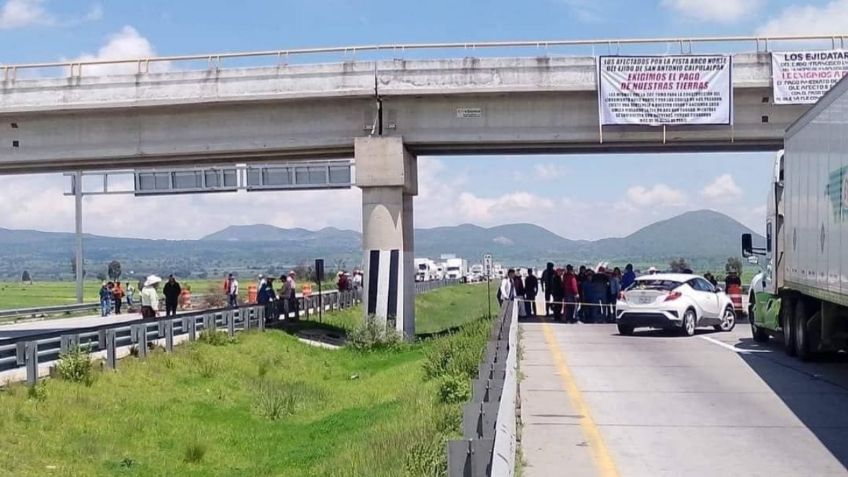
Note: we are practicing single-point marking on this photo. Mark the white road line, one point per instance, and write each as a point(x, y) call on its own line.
point(733, 348)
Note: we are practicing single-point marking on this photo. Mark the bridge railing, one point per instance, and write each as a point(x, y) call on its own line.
point(214, 61)
point(488, 446)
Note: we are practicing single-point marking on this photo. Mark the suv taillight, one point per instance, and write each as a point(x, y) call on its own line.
point(673, 296)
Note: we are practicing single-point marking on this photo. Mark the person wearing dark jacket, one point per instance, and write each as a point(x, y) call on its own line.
point(531, 289)
point(172, 292)
point(557, 294)
point(547, 278)
point(265, 297)
point(628, 278)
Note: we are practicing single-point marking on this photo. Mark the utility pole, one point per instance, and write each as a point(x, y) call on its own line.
point(77, 183)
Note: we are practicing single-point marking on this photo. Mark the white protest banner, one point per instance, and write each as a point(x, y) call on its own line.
point(665, 90)
point(802, 77)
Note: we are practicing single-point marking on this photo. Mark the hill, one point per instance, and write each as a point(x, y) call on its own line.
point(702, 237)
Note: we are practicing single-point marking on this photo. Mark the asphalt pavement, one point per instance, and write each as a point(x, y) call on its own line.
point(594, 403)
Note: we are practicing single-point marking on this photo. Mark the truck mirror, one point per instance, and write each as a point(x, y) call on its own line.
point(747, 245)
point(753, 260)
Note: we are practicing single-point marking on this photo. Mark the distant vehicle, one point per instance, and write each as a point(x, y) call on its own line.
point(476, 273)
point(457, 269)
point(801, 292)
point(673, 301)
point(425, 270)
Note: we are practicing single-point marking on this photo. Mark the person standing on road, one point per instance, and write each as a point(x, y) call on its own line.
point(507, 290)
point(130, 294)
point(105, 300)
point(615, 289)
point(291, 290)
point(519, 291)
point(172, 292)
point(571, 294)
point(149, 297)
point(118, 295)
point(557, 294)
point(531, 289)
point(231, 287)
point(628, 278)
point(547, 287)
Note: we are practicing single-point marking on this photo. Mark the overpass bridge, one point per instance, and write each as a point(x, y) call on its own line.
point(150, 112)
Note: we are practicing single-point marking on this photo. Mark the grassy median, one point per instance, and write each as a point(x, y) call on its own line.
point(263, 405)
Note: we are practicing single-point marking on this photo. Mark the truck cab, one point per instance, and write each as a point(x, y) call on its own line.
point(763, 297)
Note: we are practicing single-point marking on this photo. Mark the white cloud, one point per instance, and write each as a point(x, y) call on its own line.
point(720, 11)
point(722, 190)
point(128, 43)
point(830, 18)
point(658, 195)
point(514, 206)
point(23, 13)
point(548, 172)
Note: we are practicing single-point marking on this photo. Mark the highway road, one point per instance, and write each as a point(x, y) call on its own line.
point(594, 403)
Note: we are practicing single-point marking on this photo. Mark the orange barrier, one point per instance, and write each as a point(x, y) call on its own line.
point(252, 293)
point(185, 299)
point(307, 290)
point(735, 294)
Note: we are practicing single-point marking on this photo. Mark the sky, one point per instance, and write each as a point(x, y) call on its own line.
point(576, 196)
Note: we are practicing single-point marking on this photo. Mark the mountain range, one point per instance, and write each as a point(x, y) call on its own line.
point(701, 237)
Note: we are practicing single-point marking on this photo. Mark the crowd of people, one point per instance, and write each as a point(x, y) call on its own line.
point(583, 295)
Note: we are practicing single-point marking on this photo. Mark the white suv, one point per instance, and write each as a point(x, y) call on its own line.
point(673, 301)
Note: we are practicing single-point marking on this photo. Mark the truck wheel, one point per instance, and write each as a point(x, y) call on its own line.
point(760, 335)
point(625, 330)
point(802, 336)
point(688, 325)
point(787, 312)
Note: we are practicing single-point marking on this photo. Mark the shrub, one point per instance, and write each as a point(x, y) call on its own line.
point(194, 452)
point(37, 392)
point(276, 400)
point(454, 389)
point(372, 335)
point(206, 367)
point(426, 453)
point(216, 338)
point(76, 366)
point(458, 354)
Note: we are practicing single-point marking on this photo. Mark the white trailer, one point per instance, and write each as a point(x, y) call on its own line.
point(457, 269)
point(802, 292)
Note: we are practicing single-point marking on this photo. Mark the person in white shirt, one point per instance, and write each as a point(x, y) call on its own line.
point(149, 297)
point(507, 290)
point(232, 291)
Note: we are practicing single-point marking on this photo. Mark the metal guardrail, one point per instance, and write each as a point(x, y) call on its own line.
point(488, 420)
point(214, 60)
point(48, 310)
point(31, 349)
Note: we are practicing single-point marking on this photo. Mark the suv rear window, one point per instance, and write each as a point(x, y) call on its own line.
point(662, 285)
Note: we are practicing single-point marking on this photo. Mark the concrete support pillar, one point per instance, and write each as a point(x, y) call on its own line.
point(388, 176)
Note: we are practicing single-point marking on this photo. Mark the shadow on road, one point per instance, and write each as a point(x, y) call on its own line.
point(816, 392)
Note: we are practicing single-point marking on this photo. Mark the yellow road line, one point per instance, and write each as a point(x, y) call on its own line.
point(600, 453)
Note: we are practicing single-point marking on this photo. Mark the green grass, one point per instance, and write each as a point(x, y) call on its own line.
point(264, 405)
point(434, 311)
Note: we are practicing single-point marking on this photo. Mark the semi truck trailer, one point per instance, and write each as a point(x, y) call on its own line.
point(801, 293)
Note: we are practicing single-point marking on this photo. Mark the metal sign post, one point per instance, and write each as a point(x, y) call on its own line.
point(76, 181)
point(319, 277)
point(487, 267)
